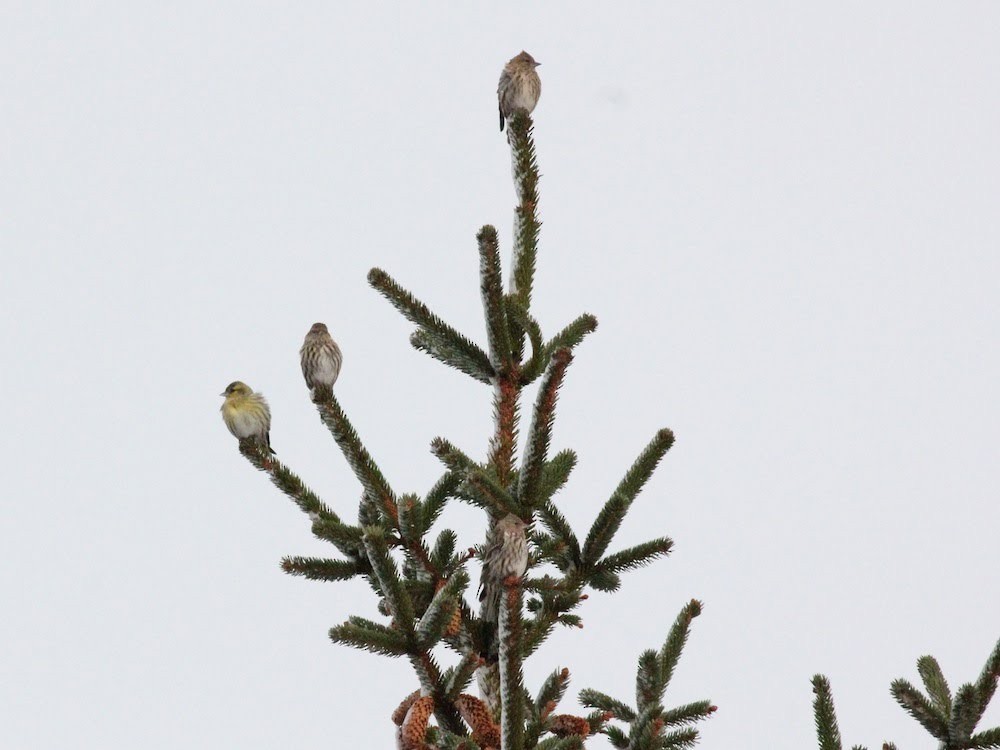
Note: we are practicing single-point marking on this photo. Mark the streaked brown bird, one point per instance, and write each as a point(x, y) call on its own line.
point(519, 87)
point(246, 413)
point(321, 357)
point(504, 556)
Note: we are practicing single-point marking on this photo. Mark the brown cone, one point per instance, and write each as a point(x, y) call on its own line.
point(485, 731)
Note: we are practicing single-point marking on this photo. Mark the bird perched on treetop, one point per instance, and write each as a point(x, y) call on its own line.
point(321, 357)
point(246, 413)
point(504, 556)
point(519, 86)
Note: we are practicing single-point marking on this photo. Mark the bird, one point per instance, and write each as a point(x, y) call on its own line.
point(246, 413)
point(505, 556)
point(519, 87)
point(321, 358)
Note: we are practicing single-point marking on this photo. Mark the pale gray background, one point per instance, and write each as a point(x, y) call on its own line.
point(784, 216)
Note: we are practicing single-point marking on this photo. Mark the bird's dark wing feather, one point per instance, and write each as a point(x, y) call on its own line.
point(501, 117)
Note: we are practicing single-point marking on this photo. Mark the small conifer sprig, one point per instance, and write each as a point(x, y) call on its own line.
point(651, 726)
point(420, 579)
point(950, 720)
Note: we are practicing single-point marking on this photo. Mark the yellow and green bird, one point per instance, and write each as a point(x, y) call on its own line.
point(246, 413)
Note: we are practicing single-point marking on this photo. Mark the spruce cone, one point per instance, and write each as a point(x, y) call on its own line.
point(485, 731)
point(399, 715)
point(564, 725)
point(411, 733)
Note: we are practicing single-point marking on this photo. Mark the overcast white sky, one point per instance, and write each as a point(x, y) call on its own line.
point(784, 215)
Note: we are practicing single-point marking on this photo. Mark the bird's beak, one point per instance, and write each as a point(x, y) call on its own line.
point(223, 393)
point(537, 64)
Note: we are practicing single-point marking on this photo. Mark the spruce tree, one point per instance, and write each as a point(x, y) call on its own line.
point(419, 576)
point(950, 719)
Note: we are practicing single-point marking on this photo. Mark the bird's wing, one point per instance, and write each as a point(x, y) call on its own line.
point(502, 88)
point(490, 551)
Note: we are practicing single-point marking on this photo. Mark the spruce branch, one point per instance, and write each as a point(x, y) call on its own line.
point(689, 713)
point(344, 537)
point(596, 699)
point(489, 494)
point(511, 629)
point(439, 612)
point(387, 574)
point(439, 335)
point(443, 351)
point(322, 569)
point(457, 678)
point(477, 485)
point(648, 687)
point(556, 474)
point(988, 739)
point(617, 736)
point(410, 518)
point(635, 557)
point(825, 715)
point(444, 549)
point(552, 690)
point(506, 415)
point(986, 684)
point(526, 224)
point(935, 683)
point(572, 742)
point(522, 323)
point(649, 719)
point(645, 730)
point(285, 480)
point(567, 338)
point(964, 715)
point(540, 433)
point(375, 638)
point(567, 552)
point(670, 653)
point(361, 463)
point(494, 309)
point(609, 520)
point(920, 708)
point(437, 496)
point(682, 738)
